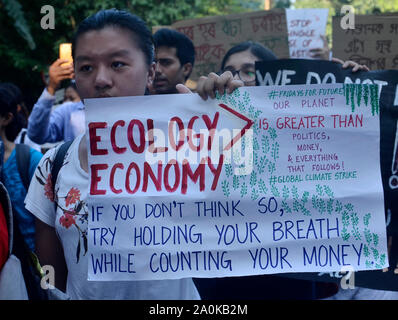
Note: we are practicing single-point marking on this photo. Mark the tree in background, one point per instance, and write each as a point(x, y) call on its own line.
point(26, 50)
point(281, 4)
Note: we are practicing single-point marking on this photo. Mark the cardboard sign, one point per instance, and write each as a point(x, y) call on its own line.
point(372, 42)
point(214, 36)
point(305, 28)
point(309, 72)
point(262, 181)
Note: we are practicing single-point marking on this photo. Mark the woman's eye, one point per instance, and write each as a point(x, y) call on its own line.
point(118, 64)
point(248, 72)
point(85, 68)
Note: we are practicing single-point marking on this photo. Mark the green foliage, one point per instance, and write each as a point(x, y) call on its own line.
point(225, 188)
point(265, 144)
point(275, 191)
point(329, 206)
point(261, 166)
point(253, 178)
point(254, 194)
point(262, 186)
point(286, 207)
point(228, 169)
point(339, 206)
point(282, 4)
point(14, 10)
point(285, 192)
point(235, 183)
point(243, 190)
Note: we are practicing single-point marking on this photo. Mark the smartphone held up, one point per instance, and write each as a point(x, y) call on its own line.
point(65, 53)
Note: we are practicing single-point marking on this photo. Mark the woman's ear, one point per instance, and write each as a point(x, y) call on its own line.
point(151, 77)
point(151, 74)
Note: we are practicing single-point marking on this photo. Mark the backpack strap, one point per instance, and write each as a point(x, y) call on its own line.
point(23, 161)
point(23, 135)
point(58, 162)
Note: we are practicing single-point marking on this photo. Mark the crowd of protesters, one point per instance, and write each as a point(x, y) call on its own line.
point(114, 55)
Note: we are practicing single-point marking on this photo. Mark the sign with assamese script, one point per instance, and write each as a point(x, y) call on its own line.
point(372, 42)
point(214, 36)
point(265, 180)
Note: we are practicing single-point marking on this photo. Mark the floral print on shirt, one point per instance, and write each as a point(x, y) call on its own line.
point(73, 209)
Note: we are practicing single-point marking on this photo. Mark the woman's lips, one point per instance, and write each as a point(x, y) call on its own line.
point(104, 95)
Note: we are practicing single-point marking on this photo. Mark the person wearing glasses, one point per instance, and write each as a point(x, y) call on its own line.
point(238, 69)
point(240, 60)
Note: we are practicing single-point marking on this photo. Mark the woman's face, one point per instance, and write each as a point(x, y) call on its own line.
point(71, 95)
point(242, 62)
point(108, 63)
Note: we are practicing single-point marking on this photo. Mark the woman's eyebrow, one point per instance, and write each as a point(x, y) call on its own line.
point(82, 58)
point(120, 53)
point(247, 65)
point(163, 60)
point(117, 53)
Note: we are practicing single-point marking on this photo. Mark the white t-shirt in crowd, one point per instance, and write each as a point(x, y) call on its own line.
point(71, 222)
point(22, 137)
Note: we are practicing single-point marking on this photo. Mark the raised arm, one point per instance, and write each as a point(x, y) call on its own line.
point(43, 126)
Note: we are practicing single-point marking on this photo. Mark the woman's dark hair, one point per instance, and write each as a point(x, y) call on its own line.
point(256, 49)
point(72, 85)
point(19, 100)
point(14, 90)
point(121, 19)
point(8, 104)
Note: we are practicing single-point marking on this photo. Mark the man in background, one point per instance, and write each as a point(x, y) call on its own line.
point(174, 57)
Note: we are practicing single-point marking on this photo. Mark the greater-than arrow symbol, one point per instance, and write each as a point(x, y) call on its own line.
point(243, 131)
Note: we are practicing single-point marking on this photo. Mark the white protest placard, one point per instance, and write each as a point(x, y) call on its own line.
point(305, 28)
point(265, 180)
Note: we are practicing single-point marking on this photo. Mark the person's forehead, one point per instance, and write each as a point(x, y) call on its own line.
point(166, 52)
point(105, 41)
point(70, 91)
point(237, 60)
